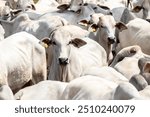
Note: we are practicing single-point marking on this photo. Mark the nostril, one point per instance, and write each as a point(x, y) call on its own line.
point(63, 61)
point(111, 40)
point(148, 20)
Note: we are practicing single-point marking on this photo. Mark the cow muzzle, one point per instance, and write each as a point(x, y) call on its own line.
point(111, 40)
point(63, 61)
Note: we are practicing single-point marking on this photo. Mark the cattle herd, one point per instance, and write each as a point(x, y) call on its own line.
point(75, 49)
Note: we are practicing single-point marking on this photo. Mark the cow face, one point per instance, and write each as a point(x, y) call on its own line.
point(25, 4)
point(63, 43)
point(144, 5)
point(76, 4)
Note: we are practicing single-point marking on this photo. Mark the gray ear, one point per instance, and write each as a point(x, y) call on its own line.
point(103, 7)
point(77, 42)
point(45, 42)
point(63, 7)
point(93, 28)
point(121, 26)
point(137, 9)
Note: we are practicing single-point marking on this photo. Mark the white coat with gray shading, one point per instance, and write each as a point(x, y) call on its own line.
point(142, 5)
point(98, 88)
point(126, 61)
point(21, 4)
point(22, 59)
point(44, 90)
point(39, 28)
point(137, 33)
point(106, 72)
point(104, 27)
point(73, 53)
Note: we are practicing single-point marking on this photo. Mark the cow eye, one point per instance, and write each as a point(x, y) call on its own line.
point(95, 8)
point(80, 4)
point(54, 43)
point(102, 26)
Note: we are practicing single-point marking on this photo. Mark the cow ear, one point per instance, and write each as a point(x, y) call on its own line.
point(84, 23)
point(45, 42)
point(77, 42)
point(146, 68)
point(33, 7)
point(121, 26)
point(15, 12)
point(103, 7)
point(63, 7)
point(93, 28)
point(137, 9)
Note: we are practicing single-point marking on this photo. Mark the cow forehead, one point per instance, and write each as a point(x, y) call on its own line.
point(107, 20)
point(61, 36)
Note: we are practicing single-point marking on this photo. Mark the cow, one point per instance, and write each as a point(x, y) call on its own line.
point(106, 72)
point(47, 90)
point(21, 4)
point(143, 5)
point(22, 59)
point(24, 23)
point(104, 26)
point(136, 33)
point(126, 61)
point(72, 52)
point(98, 88)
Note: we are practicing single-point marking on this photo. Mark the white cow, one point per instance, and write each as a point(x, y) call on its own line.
point(44, 90)
point(98, 88)
point(35, 27)
point(21, 4)
point(73, 53)
point(104, 26)
point(136, 33)
point(144, 5)
point(22, 59)
point(126, 61)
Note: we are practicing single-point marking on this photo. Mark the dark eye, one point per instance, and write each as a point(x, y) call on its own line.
point(95, 8)
point(102, 26)
point(80, 4)
point(54, 43)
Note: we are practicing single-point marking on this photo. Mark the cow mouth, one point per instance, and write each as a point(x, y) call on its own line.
point(63, 73)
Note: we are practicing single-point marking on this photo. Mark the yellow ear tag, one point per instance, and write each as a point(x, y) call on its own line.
point(44, 44)
point(93, 30)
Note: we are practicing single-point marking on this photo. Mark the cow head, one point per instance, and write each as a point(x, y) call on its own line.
point(25, 4)
point(63, 43)
point(144, 5)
